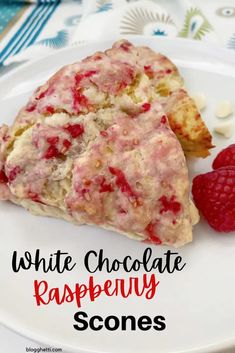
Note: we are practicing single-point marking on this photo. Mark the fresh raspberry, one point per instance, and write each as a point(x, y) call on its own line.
point(225, 158)
point(104, 133)
point(214, 195)
point(34, 196)
point(106, 188)
point(47, 92)
point(79, 99)
point(163, 119)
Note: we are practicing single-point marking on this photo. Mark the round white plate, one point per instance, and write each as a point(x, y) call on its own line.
point(198, 302)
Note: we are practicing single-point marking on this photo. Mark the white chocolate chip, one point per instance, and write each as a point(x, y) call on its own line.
point(224, 129)
point(200, 100)
point(223, 109)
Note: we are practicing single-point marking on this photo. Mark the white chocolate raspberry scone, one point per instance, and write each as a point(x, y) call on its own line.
point(93, 146)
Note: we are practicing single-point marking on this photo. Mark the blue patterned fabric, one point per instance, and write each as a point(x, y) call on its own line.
point(8, 11)
point(30, 29)
point(33, 28)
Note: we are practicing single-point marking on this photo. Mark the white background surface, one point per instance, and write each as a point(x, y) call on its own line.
point(11, 342)
point(199, 73)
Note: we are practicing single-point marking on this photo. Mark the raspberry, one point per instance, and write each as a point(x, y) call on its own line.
point(152, 236)
point(79, 76)
point(168, 71)
point(170, 204)
point(49, 109)
point(30, 107)
point(67, 144)
point(52, 152)
point(53, 140)
point(146, 107)
point(225, 158)
point(13, 173)
point(75, 130)
point(121, 181)
point(105, 187)
point(79, 99)
point(214, 195)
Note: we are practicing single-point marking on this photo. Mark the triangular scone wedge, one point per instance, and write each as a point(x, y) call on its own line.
point(91, 149)
point(130, 177)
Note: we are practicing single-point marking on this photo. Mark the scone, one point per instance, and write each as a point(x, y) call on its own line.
point(161, 80)
point(93, 148)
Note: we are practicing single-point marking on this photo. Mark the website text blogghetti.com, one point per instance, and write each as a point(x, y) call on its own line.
point(43, 349)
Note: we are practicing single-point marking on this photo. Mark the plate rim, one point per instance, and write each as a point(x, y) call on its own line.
point(211, 348)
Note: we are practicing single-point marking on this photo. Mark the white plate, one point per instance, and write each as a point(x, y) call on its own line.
point(198, 302)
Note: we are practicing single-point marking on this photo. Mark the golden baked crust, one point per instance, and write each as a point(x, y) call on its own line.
point(186, 122)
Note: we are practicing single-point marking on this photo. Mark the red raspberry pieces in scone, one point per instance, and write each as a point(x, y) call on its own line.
point(138, 189)
point(170, 204)
point(214, 195)
point(12, 173)
point(104, 186)
point(3, 177)
point(51, 152)
point(152, 235)
point(39, 157)
point(121, 181)
point(57, 141)
point(75, 130)
point(74, 89)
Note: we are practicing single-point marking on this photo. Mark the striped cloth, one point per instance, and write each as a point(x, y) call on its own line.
point(34, 19)
point(48, 23)
point(30, 29)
